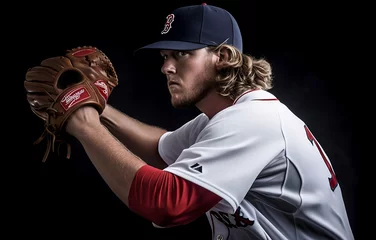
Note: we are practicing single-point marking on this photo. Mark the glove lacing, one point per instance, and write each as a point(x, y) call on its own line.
point(51, 141)
point(49, 135)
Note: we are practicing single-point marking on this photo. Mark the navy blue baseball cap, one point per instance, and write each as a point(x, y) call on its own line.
point(198, 26)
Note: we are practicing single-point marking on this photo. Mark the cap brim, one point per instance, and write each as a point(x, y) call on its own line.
point(173, 45)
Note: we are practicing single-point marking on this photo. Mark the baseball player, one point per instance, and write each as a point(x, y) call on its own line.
point(247, 162)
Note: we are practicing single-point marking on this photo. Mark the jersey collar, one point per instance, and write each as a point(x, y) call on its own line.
point(255, 94)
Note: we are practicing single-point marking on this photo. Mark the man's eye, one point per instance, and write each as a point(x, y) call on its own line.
point(180, 54)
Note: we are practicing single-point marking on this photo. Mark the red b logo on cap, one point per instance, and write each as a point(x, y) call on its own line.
point(167, 26)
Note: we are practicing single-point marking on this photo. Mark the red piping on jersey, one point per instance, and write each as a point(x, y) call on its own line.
point(166, 199)
point(265, 99)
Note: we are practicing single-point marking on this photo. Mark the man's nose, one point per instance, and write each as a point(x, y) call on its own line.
point(168, 67)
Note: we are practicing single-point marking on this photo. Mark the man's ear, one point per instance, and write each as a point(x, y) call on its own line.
point(224, 55)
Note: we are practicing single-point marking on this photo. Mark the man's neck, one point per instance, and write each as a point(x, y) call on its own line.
point(213, 103)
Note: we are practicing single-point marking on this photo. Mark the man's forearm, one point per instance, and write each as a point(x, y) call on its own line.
point(140, 138)
point(114, 162)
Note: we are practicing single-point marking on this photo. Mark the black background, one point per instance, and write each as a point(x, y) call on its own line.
point(307, 44)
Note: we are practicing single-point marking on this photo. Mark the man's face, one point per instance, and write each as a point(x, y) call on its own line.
point(190, 75)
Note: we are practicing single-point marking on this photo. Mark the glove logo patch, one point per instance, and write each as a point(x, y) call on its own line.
point(74, 97)
point(103, 89)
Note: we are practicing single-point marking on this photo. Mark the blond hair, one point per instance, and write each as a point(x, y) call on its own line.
point(241, 72)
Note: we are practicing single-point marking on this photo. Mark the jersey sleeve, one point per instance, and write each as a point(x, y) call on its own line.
point(172, 143)
point(230, 152)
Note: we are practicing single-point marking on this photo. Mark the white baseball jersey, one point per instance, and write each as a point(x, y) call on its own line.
point(275, 179)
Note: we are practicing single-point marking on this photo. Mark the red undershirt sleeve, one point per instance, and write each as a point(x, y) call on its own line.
point(166, 199)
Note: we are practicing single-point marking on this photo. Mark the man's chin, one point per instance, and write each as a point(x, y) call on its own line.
point(181, 105)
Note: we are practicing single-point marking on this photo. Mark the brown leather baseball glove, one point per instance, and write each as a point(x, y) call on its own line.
point(62, 84)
